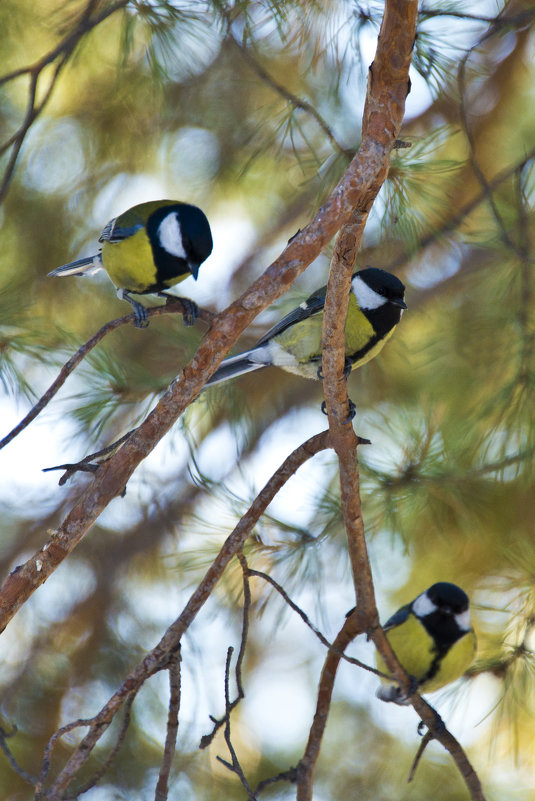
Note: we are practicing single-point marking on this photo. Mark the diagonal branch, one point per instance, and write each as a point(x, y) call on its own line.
point(290, 97)
point(60, 54)
point(172, 306)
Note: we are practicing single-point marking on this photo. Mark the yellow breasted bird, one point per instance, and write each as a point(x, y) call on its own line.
point(149, 248)
point(375, 307)
point(432, 638)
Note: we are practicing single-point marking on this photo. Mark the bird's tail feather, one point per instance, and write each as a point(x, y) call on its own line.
point(236, 365)
point(391, 692)
point(88, 265)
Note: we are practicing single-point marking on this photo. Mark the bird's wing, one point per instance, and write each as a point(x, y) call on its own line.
point(310, 306)
point(113, 232)
point(398, 618)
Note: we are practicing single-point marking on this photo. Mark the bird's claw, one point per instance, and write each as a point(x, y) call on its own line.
point(190, 310)
point(439, 727)
point(349, 418)
point(140, 314)
point(348, 366)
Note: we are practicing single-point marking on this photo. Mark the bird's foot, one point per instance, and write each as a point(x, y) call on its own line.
point(348, 366)
point(190, 310)
point(403, 697)
point(438, 727)
point(349, 418)
point(140, 312)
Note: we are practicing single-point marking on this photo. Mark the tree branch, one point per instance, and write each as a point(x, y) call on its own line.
point(171, 306)
point(61, 53)
point(162, 787)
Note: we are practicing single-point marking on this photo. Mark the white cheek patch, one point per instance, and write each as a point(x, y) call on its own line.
point(367, 298)
point(423, 605)
point(170, 236)
point(463, 620)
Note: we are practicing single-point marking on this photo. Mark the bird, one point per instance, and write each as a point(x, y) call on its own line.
point(433, 640)
point(375, 305)
point(147, 249)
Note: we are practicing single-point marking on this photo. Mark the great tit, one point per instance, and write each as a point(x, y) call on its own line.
point(149, 248)
point(432, 638)
point(375, 308)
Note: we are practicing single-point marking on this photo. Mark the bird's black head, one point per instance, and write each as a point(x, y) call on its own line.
point(448, 598)
point(181, 240)
point(443, 611)
point(196, 234)
point(385, 284)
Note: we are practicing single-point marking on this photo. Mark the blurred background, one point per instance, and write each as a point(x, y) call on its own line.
point(201, 101)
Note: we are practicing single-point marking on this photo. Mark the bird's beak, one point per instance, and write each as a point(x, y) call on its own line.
point(398, 302)
point(194, 268)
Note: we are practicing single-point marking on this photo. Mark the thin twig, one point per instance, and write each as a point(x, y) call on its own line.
point(289, 775)
point(290, 97)
point(206, 739)
point(97, 776)
point(233, 766)
point(24, 775)
point(500, 22)
point(41, 792)
point(324, 641)
point(426, 739)
point(162, 787)
point(174, 306)
point(62, 53)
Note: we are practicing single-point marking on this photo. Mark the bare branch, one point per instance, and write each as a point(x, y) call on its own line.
point(426, 739)
point(40, 790)
point(172, 306)
point(61, 53)
point(353, 626)
point(397, 31)
point(206, 739)
point(97, 776)
point(323, 640)
point(24, 775)
point(162, 788)
point(233, 766)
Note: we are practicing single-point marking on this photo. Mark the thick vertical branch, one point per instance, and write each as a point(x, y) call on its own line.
point(387, 90)
point(388, 86)
point(352, 627)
